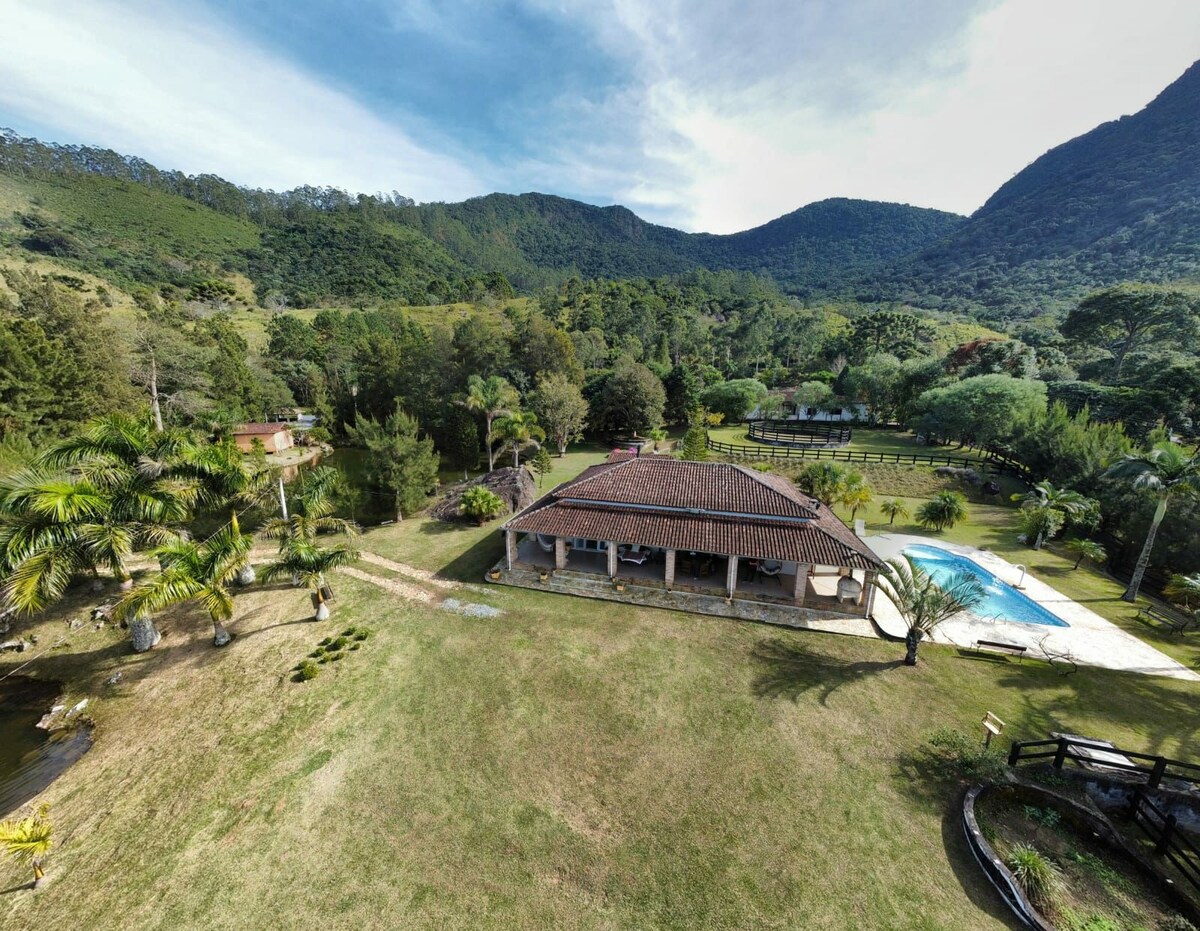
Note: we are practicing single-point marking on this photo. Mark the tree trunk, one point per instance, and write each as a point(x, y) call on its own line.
point(910, 646)
point(487, 441)
point(39, 874)
point(516, 456)
point(143, 634)
point(220, 635)
point(1037, 544)
point(322, 608)
point(892, 519)
point(1078, 561)
point(1135, 583)
point(154, 406)
point(246, 575)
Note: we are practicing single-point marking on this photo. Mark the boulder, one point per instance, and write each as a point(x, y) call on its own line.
point(970, 476)
point(515, 487)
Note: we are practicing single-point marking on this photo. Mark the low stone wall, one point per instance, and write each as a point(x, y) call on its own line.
point(653, 594)
point(1113, 794)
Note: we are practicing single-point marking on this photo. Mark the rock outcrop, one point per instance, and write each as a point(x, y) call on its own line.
point(515, 487)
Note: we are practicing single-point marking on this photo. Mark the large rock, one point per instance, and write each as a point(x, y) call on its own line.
point(515, 487)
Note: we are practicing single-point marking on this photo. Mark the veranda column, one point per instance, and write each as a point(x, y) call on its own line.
point(612, 560)
point(510, 547)
point(871, 585)
point(731, 576)
point(560, 553)
point(801, 587)
point(669, 571)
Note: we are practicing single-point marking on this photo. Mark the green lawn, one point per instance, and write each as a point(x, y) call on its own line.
point(862, 439)
point(571, 763)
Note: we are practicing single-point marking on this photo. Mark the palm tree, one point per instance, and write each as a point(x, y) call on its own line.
point(1166, 472)
point(28, 840)
point(518, 430)
point(945, 510)
point(493, 397)
point(1083, 548)
point(823, 480)
point(893, 508)
point(96, 497)
point(1184, 590)
point(304, 560)
point(1044, 498)
point(855, 493)
point(312, 511)
point(922, 602)
point(193, 571)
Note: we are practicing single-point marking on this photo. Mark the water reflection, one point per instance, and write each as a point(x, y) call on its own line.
point(31, 758)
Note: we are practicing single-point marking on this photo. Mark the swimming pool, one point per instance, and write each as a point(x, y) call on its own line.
point(1000, 599)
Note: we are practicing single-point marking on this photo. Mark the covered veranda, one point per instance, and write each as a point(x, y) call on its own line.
point(829, 588)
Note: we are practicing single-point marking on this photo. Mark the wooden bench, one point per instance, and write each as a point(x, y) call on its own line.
point(1174, 623)
point(999, 646)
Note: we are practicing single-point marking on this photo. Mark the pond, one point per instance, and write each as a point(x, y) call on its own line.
point(361, 503)
point(31, 758)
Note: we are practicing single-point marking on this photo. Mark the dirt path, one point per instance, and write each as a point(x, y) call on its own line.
point(411, 571)
point(403, 589)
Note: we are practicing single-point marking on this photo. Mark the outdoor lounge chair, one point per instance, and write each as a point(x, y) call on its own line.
point(848, 589)
point(771, 570)
point(634, 554)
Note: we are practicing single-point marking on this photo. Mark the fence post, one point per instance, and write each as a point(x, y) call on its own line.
point(1156, 774)
point(1061, 753)
point(1164, 842)
point(1014, 753)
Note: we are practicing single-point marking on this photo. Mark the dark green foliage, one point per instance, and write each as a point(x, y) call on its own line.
point(306, 670)
point(735, 399)
point(399, 461)
point(630, 401)
point(964, 756)
point(460, 445)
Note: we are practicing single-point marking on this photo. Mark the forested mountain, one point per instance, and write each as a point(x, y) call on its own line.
point(1120, 202)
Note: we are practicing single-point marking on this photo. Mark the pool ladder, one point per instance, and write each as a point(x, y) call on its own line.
point(1020, 586)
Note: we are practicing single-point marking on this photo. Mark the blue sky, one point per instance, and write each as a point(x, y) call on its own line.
point(705, 115)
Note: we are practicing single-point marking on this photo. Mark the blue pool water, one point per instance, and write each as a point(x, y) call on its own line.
point(1000, 600)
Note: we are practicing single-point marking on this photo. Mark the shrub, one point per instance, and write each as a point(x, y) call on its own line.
point(319, 651)
point(481, 503)
point(334, 657)
point(966, 757)
point(338, 644)
point(1177, 923)
point(1044, 816)
point(326, 641)
point(363, 634)
point(324, 658)
point(945, 510)
point(1038, 876)
point(354, 646)
point(306, 670)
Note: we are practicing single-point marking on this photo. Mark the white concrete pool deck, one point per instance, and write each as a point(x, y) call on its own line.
point(1090, 640)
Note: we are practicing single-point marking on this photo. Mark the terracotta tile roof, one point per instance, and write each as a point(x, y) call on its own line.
point(705, 507)
point(259, 429)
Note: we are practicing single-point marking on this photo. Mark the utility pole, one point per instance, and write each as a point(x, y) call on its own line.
point(282, 497)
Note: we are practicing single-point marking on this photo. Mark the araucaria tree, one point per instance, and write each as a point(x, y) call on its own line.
point(492, 397)
point(922, 602)
point(1166, 473)
point(399, 461)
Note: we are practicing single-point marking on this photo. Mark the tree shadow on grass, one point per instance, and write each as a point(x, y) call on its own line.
point(471, 564)
point(790, 670)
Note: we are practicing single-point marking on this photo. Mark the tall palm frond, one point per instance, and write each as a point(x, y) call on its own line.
point(924, 603)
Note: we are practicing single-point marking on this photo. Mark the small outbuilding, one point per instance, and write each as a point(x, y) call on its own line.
point(275, 437)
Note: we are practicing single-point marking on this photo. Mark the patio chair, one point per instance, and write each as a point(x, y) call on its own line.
point(634, 554)
point(848, 589)
point(771, 569)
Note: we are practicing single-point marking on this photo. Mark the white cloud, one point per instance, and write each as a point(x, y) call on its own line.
point(732, 131)
point(162, 81)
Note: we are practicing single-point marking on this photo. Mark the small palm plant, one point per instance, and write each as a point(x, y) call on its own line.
point(893, 508)
point(1048, 508)
point(855, 493)
point(481, 503)
point(1083, 548)
point(922, 602)
point(946, 509)
point(1039, 878)
point(303, 560)
point(1184, 590)
point(193, 571)
point(28, 840)
point(517, 431)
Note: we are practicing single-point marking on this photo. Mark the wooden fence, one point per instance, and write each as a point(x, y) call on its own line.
point(1168, 842)
point(1061, 749)
point(797, 434)
point(999, 466)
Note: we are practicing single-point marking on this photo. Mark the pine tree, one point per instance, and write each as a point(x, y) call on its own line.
point(541, 463)
point(695, 444)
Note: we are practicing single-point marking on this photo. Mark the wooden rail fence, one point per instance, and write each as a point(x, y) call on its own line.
point(1169, 843)
point(998, 466)
point(1061, 749)
point(797, 434)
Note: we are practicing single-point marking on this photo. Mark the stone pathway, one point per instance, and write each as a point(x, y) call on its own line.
point(1090, 640)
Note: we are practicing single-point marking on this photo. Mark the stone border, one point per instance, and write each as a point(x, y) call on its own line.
point(1006, 884)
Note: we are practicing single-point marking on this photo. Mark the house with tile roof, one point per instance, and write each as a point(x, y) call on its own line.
point(637, 525)
point(275, 437)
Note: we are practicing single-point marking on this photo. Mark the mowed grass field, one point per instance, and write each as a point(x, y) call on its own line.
point(568, 764)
